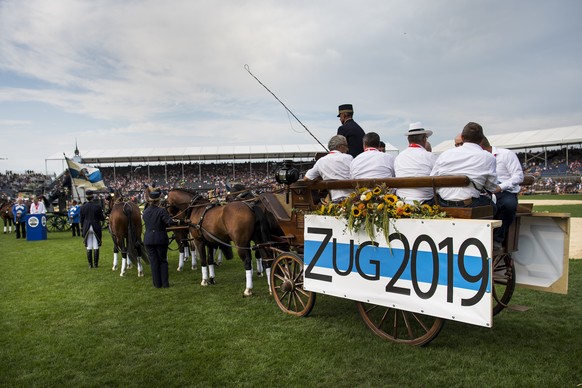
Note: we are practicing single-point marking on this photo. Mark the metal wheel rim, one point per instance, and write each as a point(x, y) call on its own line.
point(503, 281)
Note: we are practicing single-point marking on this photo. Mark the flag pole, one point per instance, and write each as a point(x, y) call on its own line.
point(71, 175)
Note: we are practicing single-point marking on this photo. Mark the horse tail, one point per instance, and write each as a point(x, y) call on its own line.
point(132, 240)
point(262, 230)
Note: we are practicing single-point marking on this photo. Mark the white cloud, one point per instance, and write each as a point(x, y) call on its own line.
point(136, 69)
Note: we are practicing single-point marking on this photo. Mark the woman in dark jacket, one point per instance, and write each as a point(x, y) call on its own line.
point(91, 218)
point(156, 239)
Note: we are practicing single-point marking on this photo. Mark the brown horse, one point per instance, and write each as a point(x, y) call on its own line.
point(125, 228)
point(6, 215)
point(214, 225)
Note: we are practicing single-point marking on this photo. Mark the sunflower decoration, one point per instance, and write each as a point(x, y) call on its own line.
point(373, 210)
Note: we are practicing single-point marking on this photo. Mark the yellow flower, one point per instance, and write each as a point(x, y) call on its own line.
point(377, 190)
point(370, 205)
point(380, 206)
point(356, 212)
point(390, 198)
point(407, 210)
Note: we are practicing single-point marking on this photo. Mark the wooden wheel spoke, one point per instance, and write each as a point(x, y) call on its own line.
point(408, 324)
point(382, 321)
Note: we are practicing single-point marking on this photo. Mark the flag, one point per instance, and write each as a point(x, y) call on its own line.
point(85, 176)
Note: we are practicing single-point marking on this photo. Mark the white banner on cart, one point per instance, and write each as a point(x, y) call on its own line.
point(440, 267)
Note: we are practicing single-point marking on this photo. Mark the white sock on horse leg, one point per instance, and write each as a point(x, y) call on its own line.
point(139, 266)
point(259, 265)
point(186, 252)
point(5, 229)
point(268, 273)
point(204, 273)
point(115, 262)
point(211, 270)
point(249, 274)
point(181, 260)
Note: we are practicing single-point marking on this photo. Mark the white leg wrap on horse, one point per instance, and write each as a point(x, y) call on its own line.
point(115, 262)
point(249, 274)
point(204, 273)
point(4, 229)
point(186, 252)
point(211, 270)
point(123, 266)
point(259, 265)
point(219, 259)
point(139, 267)
point(268, 273)
point(181, 260)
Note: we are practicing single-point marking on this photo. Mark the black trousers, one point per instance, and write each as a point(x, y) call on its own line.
point(158, 255)
point(75, 229)
point(506, 209)
point(21, 229)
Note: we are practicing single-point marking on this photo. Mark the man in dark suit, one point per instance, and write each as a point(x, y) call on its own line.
point(156, 240)
point(351, 130)
point(91, 218)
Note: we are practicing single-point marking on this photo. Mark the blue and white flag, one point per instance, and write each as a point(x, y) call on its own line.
point(85, 176)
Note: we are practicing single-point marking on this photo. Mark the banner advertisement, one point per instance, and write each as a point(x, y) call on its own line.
point(437, 267)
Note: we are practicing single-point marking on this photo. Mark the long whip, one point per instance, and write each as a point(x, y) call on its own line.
point(284, 106)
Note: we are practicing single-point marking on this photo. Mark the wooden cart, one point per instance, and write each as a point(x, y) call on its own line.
point(409, 326)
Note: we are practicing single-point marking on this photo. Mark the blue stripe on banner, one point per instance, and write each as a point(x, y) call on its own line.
point(391, 259)
point(95, 176)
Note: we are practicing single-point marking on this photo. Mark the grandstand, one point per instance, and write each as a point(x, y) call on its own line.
point(554, 156)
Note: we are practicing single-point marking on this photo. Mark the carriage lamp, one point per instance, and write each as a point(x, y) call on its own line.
point(287, 174)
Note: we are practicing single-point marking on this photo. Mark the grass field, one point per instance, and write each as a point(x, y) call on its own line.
point(64, 325)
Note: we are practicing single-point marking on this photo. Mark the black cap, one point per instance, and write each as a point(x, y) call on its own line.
point(155, 195)
point(345, 108)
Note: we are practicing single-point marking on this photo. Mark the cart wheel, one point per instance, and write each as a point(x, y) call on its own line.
point(65, 224)
point(287, 285)
point(503, 281)
point(54, 224)
point(400, 326)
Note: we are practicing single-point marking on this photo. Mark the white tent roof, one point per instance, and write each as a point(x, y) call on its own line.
point(196, 154)
point(528, 139)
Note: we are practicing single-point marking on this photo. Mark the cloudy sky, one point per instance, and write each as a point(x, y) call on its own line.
point(115, 73)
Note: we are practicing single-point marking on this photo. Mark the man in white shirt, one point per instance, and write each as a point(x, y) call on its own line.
point(509, 176)
point(37, 207)
point(335, 165)
point(372, 163)
point(469, 160)
point(415, 160)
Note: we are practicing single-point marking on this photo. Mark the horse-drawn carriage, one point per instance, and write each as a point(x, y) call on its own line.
point(425, 272)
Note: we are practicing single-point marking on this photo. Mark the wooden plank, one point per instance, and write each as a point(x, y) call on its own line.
point(469, 212)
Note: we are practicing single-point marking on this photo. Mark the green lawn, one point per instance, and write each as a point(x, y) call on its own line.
point(64, 325)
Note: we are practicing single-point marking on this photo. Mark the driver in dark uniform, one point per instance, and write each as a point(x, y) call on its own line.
point(156, 240)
